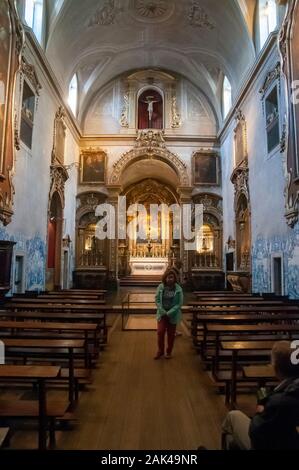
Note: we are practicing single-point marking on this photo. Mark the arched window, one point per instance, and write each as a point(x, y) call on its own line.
point(34, 17)
point(227, 97)
point(267, 17)
point(73, 94)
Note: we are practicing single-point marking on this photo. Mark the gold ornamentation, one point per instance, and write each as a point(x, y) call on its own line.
point(150, 143)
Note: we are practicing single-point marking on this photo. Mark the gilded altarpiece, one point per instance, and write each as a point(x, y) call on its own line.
point(11, 44)
point(92, 256)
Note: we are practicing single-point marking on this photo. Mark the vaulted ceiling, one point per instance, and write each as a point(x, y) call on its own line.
point(102, 39)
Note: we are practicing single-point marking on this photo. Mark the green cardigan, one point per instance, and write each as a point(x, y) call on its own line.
point(175, 312)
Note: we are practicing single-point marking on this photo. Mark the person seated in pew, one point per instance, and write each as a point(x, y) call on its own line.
point(276, 422)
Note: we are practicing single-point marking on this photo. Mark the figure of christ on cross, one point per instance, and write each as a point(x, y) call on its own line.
point(150, 101)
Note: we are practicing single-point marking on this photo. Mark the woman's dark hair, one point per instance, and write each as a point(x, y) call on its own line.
point(167, 273)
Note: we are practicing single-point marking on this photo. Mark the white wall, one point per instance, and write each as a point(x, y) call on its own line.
point(32, 183)
point(270, 232)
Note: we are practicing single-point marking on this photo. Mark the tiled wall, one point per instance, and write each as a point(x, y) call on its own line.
point(261, 262)
point(34, 250)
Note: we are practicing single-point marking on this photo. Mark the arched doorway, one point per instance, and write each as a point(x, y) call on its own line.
point(54, 243)
point(150, 253)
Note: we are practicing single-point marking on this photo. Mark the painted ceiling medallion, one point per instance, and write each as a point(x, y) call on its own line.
point(152, 10)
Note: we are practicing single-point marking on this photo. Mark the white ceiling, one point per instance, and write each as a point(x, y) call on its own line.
point(102, 39)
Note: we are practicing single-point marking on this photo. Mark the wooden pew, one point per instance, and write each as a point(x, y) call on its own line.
point(84, 329)
point(53, 300)
point(32, 348)
point(238, 332)
point(235, 347)
point(40, 410)
point(45, 307)
point(4, 432)
point(65, 317)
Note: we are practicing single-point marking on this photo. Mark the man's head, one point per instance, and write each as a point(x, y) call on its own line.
point(281, 360)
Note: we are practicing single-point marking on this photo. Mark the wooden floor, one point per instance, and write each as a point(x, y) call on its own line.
point(138, 403)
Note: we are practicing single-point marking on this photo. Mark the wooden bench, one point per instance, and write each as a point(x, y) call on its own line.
point(51, 348)
point(65, 317)
point(4, 434)
point(25, 409)
point(40, 410)
point(53, 300)
point(235, 347)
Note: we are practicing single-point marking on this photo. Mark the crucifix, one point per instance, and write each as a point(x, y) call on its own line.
point(150, 108)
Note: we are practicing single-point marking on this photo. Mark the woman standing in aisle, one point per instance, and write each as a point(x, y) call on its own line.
point(169, 301)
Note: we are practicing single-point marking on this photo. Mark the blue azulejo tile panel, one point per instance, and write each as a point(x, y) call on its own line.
point(34, 250)
point(262, 250)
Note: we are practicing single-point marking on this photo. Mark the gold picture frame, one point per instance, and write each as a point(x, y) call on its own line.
point(93, 167)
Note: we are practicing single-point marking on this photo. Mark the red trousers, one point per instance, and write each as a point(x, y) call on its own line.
point(164, 326)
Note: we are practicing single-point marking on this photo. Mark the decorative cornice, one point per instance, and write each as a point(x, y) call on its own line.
point(29, 71)
point(270, 78)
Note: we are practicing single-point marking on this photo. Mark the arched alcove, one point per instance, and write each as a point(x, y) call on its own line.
point(55, 221)
point(150, 110)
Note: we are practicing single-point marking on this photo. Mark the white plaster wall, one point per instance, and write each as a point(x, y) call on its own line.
point(32, 183)
point(270, 232)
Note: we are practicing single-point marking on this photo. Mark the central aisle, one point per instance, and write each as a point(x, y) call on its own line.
point(138, 403)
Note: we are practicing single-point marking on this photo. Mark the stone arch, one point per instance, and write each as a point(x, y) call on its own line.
point(156, 154)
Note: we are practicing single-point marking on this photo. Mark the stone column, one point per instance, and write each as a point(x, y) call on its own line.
point(113, 194)
point(185, 193)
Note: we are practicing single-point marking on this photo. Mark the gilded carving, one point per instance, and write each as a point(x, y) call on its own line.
point(11, 45)
point(150, 143)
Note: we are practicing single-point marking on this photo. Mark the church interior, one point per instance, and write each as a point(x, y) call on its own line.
point(130, 103)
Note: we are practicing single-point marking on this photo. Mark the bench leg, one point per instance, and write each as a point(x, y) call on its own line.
point(52, 436)
point(76, 389)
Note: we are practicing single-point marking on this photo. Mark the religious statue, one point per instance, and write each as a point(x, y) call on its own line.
point(150, 101)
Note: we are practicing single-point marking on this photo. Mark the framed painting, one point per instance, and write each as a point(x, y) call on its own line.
point(93, 167)
point(206, 168)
